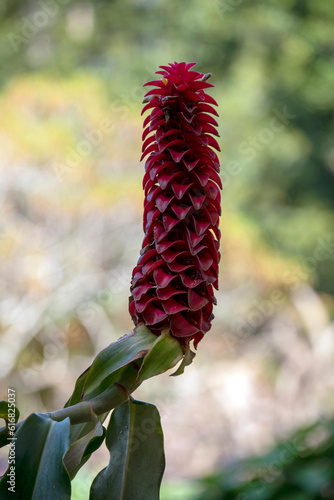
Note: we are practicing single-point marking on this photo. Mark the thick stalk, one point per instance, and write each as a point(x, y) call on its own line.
point(89, 410)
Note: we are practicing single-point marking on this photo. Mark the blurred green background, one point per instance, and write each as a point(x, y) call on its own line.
point(71, 211)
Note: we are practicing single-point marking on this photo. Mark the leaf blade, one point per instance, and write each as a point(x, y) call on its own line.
point(8, 410)
point(39, 469)
point(163, 355)
point(137, 462)
point(188, 357)
point(79, 452)
point(118, 354)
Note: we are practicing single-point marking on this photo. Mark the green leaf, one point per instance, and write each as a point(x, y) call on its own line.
point(128, 348)
point(186, 361)
point(40, 473)
point(80, 430)
point(3, 440)
point(137, 462)
point(80, 451)
point(164, 354)
point(9, 411)
point(312, 476)
point(105, 384)
point(77, 393)
point(10, 414)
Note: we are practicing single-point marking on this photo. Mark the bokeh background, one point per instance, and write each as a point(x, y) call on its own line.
point(71, 227)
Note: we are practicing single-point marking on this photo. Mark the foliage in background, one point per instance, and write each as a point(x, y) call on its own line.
point(272, 58)
point(299, 469)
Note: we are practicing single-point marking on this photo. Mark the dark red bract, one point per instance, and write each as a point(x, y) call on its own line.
point(172, 284)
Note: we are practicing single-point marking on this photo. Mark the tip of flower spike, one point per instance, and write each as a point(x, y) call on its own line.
point(176, 71)
point(183, 65)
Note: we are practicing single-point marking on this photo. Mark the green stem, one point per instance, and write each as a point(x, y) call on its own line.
point(89, 410)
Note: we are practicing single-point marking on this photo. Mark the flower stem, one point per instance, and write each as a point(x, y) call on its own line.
point(89, 410)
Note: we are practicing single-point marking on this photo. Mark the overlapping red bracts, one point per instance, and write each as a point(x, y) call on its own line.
point(172, 284)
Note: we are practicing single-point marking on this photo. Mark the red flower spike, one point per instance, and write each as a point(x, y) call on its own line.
point(172, 284)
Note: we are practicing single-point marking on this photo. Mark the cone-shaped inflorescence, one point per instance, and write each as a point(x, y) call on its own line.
point(172, 284)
